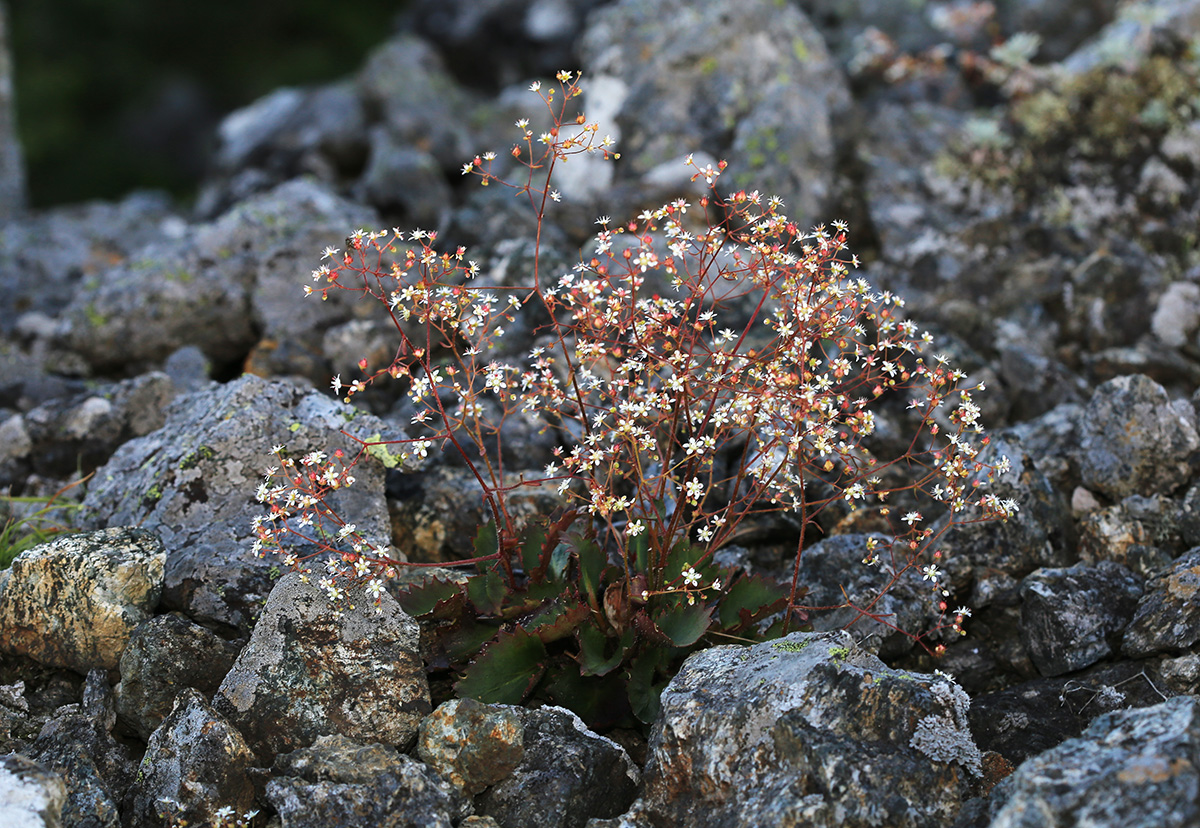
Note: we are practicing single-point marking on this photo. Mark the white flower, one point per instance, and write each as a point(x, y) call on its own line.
point(634, 529)
point(691, 577)
point(336, 384)
point(930, 573)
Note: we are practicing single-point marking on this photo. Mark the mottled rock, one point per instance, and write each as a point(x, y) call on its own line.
point(779, 733)
point(88, 239)
point(165, 655)
point(1071, 618)
point(577, 774)
point(65, 437)
point(78, 745)
point(193, 482)
point(74, 602)
point(833, 572)
point(474, 745)
point(749, 80)
point(338, 781)
point(399, 176)
point(1168, 616)
point(1135, 439)
point(1129, 768)
point(1142, 533)
point(1031, 717)
point(196, 762)
point(30, 795)
point(313, 668)
point(1038, 535)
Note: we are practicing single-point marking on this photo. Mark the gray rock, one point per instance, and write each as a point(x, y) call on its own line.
point(420, 104)
point(472, 744)
point(193, 482)
point(89, 239)
point(780, 733)
point(30, 795)
point(1132, 768)
point(74, 602)
point(165, 655)
point(1168, 616)
point(78, 745)
point(400, 176)
point(338, 781)
point(1142, 533)
point(1038, 535)
point(1071, 618)
point(1135, 439)
point(313, 668)
point(63, 438)
point(835, 564)
point(196, 763)
point(1026, 719)
point(218, 286)
point(750, 81)
point(577, 774)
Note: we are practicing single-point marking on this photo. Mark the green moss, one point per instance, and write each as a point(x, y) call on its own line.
point(94, 317)
point(708, 65)
point(839, 653)
point(193, 458)
point(789, 646)
point(152, 495)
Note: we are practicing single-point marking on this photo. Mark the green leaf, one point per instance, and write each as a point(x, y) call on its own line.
point(559, 562)
point(423, 599)
point(531, 550)
point(594, 656)
point(487, 591)
point(464, 640)
point(591, 570)
point(749, 599)
point(487, 542)
point(684, 624)
point(558, 620)
point(643, 690)
point(507, 669)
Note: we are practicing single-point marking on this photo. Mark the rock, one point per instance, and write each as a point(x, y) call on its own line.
point(577, 774)
point(314, 668)
point(338, 781)
point(64, 438)
point(748, 81)
point(834, 564)
point(1167, 618)
point(1038, 535)
point(89, 239)
point(1071, 618)
point(1131, 768)
point(1034, 716)
point(192, 482)
point(440, 512)
point(218, 286)
point(196, 763)
point(75, 602)
point(781, 732)
point(165, 655)
point(30, 795)
point(78, 745)
point(1135, 439)
point(1142, 533)
point(320, 131)
point(474, 745)
point(418, 101)
point(398, 176)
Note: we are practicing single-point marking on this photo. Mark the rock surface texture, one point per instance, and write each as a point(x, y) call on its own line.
point(1020, 178)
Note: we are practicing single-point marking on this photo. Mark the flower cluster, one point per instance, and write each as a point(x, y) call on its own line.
point(703, 362)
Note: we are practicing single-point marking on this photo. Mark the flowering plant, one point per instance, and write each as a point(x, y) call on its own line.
point(702, 364)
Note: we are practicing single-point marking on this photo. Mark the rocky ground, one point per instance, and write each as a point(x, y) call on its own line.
point(1036, 201)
